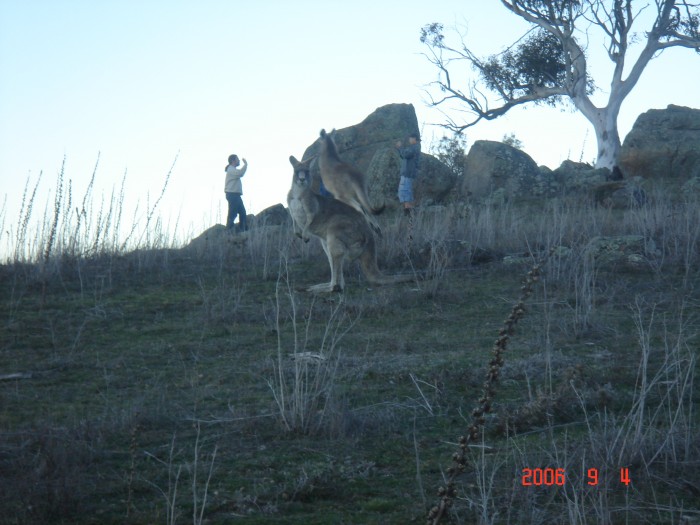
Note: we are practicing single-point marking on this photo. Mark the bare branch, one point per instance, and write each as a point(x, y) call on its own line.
point(682, 41)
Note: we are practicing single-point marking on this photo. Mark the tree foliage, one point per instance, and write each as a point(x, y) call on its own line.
point(451, 151)
point(511, 140)
point(538, 61)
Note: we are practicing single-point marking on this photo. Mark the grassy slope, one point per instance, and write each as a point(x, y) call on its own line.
point(148, 368)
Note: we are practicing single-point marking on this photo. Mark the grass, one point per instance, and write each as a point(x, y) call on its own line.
point(152, 384)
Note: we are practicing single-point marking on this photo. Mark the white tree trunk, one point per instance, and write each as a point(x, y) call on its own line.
point(604, 121)
point(608, 140)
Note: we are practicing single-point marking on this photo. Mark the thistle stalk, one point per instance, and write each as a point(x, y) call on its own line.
point(447, 493)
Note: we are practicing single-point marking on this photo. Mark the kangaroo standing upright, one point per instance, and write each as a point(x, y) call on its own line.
point(344, 181)
point(343, 231)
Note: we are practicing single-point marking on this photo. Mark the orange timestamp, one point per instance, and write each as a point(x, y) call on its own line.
point(548, 477)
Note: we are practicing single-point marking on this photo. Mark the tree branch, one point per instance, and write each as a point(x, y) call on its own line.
point(483, 112)
point(532, 15)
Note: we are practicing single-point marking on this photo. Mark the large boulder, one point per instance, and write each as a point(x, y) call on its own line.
point(434, 181)
point(274, 215)
point(211, 240)
point(599, 185)
point(578, 177)
point(663, 144)
point(382, 175)
point(432, 185)
point(358, 144)
point(619, 194)
point(369, 146)
point(496, 168)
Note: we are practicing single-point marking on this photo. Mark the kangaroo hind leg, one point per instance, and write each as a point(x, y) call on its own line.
point(337, 253)
point(335, 261)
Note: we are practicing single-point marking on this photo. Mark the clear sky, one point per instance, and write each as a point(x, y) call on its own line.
point(141, 82)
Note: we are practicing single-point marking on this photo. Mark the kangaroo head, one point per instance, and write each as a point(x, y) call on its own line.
point(302, 171)
point(327, 143)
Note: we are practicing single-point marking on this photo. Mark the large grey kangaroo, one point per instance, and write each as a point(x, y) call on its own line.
point(343, 231)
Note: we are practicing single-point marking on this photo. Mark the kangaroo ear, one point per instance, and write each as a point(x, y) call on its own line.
point(323, 133)
point(293, 161)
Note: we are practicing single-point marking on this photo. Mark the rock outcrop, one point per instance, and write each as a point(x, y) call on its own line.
point(496, 168)
point(274, 215)
point(211, 240)
point(369, 146)
point(499, 172)
point(432, 186)
point(597, 184)
point(578, 177)
point(621, 195)
point(358, 144)
point(663, 144)
point(630, 252)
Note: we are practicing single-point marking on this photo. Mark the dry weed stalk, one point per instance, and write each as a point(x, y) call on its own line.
point(133, 450)
point(56, 215)
point(448, 492)
point(304, 392)
point(25, 213)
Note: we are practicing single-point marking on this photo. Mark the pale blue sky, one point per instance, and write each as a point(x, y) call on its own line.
point(140, 81)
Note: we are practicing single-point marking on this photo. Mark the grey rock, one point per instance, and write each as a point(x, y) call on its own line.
point(576, 177)
point(274, 215)
point(620, 195)
point(630, 252)
point(496, 167)
point(663, 144)
point(369, 146)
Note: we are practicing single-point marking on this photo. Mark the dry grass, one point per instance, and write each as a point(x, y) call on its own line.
point(143, 383)
point(304, 367)
point(94, 226)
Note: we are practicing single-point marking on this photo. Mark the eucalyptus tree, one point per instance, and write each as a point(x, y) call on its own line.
point(549, 64)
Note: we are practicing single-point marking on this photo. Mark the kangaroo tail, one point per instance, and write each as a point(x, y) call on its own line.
point(372, 223)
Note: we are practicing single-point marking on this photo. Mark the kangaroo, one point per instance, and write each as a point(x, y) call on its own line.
point(343, 231)
point(345, 182)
